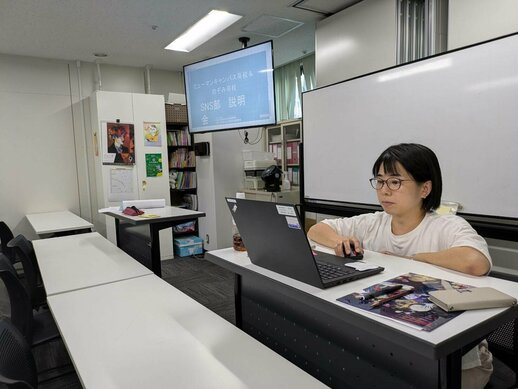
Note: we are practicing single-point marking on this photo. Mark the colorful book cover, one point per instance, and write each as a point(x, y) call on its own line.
point(410, 303)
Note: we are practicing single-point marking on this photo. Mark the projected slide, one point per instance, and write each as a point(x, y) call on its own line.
point(234, 90)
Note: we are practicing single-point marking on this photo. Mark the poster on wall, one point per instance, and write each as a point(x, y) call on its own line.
point(154, 165)
point(118, 143)
point(121, 184)
point(152, 134)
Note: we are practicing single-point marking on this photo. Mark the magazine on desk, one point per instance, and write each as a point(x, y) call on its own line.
point(407, 302)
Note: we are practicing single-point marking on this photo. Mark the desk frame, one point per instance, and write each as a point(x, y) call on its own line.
point(371, 353)
point(155, 226)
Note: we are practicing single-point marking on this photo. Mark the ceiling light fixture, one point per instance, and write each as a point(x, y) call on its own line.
point(200, 32)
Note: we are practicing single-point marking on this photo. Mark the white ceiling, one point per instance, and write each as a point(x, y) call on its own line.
point(124, 29)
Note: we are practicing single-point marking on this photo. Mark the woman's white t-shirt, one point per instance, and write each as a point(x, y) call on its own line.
point(434, 233)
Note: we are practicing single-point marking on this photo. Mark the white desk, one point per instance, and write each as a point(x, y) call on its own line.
point(435, 346)
point(81, 261)
point(144, 333)
point(61, 221)
point(166, 217)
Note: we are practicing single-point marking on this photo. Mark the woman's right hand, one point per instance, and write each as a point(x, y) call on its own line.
point(346, 244)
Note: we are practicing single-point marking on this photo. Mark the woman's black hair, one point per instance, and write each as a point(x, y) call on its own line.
point(420, 162)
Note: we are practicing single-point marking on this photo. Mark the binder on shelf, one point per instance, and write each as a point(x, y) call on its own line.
point(292, 152)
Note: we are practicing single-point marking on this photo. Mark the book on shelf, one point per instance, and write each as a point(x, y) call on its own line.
point(182, 158)
point(293, 174)
point(178, 138)
point(182, 180)
point(189, 201)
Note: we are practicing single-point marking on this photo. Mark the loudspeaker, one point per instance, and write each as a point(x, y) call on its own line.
point(202, 149)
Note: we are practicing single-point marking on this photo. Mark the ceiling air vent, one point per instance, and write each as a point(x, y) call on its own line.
point(271, 26)
point(324, 7)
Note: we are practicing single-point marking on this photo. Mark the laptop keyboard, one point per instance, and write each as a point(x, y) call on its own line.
point(329, 271)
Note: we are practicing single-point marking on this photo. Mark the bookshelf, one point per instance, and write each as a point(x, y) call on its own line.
point(283, 141)
point(182, 171)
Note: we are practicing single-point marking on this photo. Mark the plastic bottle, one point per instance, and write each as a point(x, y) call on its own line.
point(237, 241)
point(286, 185)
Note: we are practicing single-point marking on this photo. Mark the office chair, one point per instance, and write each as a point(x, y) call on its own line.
point(24, 252)
point(503, 342)
point(17, 366)
point(37, 327)
point(5, 237)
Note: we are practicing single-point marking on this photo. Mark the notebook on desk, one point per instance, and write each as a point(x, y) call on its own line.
point(275, 239)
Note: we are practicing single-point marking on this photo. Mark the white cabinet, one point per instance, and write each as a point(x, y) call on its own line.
point(291, 196)
point(283, 141)
point(134, 183)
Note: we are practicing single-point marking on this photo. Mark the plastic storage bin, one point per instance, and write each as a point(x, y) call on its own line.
point(188, 245)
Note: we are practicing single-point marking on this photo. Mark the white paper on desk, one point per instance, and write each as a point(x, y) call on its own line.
point(109, 209)
point(361, 266)
point(144, 204)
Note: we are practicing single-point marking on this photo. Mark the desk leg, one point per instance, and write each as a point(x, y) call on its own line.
point(117, 232)
point(156, 266)
point(237, 301)
point(450, 370)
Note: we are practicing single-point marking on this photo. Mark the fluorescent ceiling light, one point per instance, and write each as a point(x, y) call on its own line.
point(211, 25)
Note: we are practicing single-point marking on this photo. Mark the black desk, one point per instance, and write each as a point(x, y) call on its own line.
point(167, 217)
point(347, 347)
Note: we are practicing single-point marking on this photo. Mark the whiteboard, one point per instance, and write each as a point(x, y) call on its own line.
point(462, 104)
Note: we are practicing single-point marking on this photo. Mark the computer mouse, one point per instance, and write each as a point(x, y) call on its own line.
point(353, 255)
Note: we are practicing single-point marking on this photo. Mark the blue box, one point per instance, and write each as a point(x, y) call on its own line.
point(188, 245)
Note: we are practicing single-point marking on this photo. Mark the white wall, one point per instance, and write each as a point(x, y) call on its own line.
point(37, 168)
point(44, 113)
point(220, 175)
point(473, 21)
point(355, 41)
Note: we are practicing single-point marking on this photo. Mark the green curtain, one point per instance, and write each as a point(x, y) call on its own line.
point(291, 80)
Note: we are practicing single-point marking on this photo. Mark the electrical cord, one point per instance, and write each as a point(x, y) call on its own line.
point(257, 139)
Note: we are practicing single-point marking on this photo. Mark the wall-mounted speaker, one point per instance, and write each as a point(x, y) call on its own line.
point(202, 149)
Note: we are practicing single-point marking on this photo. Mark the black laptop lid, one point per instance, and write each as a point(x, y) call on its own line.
point(275, 239)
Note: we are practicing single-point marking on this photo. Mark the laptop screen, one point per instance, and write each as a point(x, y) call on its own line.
point(275, 239)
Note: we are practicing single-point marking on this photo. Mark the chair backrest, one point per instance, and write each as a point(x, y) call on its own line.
point(20, 302)
point(5, 236)
point(17, 366)
point(25, 253)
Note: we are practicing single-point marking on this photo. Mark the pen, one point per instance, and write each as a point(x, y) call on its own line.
point(390, 298)
point(382, 290)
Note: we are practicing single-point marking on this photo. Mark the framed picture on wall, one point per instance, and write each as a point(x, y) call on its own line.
point(118, 143)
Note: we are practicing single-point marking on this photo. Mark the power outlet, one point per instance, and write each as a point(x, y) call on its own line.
point(207, 238)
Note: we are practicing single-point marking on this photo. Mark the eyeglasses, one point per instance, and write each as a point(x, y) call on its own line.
point(392, 183)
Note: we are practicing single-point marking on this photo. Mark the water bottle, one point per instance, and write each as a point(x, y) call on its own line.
point(237, 241)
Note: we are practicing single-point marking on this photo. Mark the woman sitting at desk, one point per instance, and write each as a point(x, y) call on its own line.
point(408, 183)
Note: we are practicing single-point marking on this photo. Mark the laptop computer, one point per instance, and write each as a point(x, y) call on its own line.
point(275, 239)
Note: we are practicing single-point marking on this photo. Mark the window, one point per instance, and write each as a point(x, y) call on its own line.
point(290, 81)
point(422, 28)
